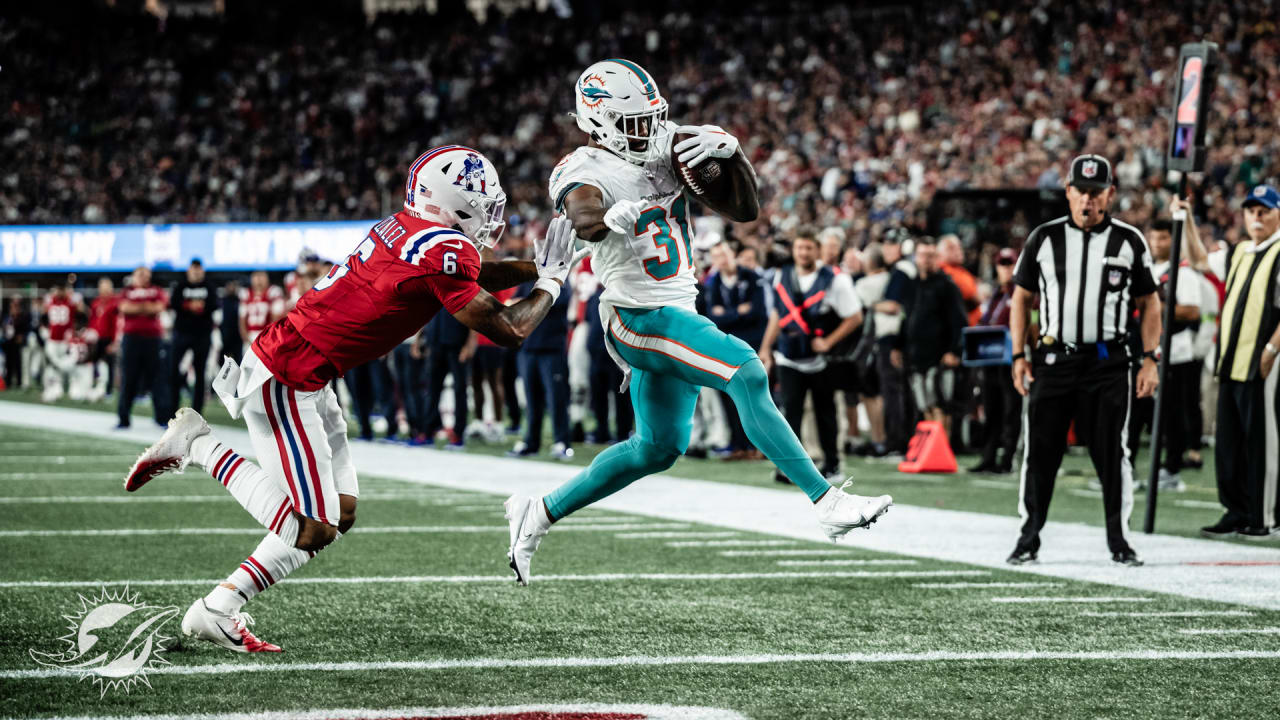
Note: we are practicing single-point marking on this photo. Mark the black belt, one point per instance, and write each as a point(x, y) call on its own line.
point(1103, 350)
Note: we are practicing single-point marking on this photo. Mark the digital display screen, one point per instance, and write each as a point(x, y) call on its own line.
point(1188, 110)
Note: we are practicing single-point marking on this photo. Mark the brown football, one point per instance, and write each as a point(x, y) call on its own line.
point(726, 185)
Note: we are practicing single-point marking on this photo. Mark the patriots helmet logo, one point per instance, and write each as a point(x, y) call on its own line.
point(471, 174)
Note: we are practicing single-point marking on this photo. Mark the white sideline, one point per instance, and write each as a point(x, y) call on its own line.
point(1055, 599)
point(934, 656)
point(661, 535)
point(455, 501)
point(1070, 550)
point(468, 579)
point(367, 529)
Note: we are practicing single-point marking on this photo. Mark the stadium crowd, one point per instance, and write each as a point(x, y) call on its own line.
point(855, 118)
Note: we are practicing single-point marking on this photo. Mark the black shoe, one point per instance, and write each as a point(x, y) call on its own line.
point(699, 453)
point(1004, 468)
point(1224, 528)
point(831, 473)
point(778, 477)
point(983, 467)
point(1127, 557)
point(1256, 534)
point(1022, 557)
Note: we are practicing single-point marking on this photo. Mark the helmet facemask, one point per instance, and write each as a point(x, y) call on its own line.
point(486, 225)
point(638, 137)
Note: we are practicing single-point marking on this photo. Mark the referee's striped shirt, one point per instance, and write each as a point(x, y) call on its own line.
point(1086, 279)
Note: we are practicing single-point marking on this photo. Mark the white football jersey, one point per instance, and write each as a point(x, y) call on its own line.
point(652, 266)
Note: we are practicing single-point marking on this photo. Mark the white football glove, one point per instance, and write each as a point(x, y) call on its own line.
point(553, 255)
point(621, 218)
point(708, 141)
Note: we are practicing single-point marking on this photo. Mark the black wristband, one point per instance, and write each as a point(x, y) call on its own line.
point(1150, 354)
point(1019, 356)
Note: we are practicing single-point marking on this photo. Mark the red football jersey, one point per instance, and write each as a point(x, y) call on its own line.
point(104, 314)
point(62, 314)
point(398, 278)
point(258, 308)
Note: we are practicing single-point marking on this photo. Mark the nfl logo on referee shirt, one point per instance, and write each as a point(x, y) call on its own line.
point(114, 639)
point(1114, 278)
point(1089, 168)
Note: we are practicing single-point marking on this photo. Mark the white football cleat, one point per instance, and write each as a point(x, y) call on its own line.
point(526, 533)
point(839, 512)
point(228, 631)
point(171, 453)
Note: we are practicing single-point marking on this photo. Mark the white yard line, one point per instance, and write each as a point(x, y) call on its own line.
point(117, 476)
point(66, 459)
point(363, 529)
point(471, 579)
point(837, 563)
point(783, 553)
point(1070, 551)
point(994, 484)
point(654, 712)
point(661, 535)
point(1053, 599)
point(729, 543)
point(1198, 504)
point(1170, 614)
point(1234, 631)
point(983, 585)
point(853, 658)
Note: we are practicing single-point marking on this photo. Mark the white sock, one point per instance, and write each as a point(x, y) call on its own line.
point(270, 563)
point(255, 490)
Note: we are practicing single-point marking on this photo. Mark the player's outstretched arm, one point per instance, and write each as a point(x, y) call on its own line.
point(506, 325)
point(495, 276)
point(509, 325)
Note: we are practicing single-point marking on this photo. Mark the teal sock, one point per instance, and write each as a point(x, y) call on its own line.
point(612, 470)
point(769, 431)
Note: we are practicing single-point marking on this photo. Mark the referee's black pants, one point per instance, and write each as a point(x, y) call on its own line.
point(1096, 393)
point(795, 386)
point(1247, 450)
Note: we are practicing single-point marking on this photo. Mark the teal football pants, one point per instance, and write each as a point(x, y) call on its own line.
point(673, 353)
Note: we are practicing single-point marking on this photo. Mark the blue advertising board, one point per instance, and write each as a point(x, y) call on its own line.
point(220, 246)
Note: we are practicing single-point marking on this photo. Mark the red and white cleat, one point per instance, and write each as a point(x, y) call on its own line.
point(171, 453)
point(228, 631)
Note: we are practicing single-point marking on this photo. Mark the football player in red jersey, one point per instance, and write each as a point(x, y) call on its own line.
point(261, 305)
point(60, 308)
point(410, 266)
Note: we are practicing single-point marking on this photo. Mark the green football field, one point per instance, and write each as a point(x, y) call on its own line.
point(416, 608)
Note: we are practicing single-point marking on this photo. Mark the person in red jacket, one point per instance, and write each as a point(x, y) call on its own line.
point(104, 321)
point(141, 305)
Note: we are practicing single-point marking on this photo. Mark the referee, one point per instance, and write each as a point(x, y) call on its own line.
point(1090, 271)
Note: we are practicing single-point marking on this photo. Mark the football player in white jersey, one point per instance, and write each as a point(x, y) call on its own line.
point(625, 200)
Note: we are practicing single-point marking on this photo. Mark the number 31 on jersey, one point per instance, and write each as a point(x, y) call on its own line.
point(662, 226)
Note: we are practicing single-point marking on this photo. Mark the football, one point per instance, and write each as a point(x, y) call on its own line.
point(726, 185)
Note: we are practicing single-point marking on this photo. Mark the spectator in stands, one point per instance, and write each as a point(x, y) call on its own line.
point(735, 303)
point(870, 290)
point(544, 366)
point(193, 300)
point(814, 310)
point(931, 338)
point(141, 358)
point(104, 320)
point(449, 346)
point(1001, 403)
point(899, 413)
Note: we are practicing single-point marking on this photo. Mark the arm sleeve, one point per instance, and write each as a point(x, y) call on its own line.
point(1142, 282)
point(1027, 273)
point(453, 289)
point(843, 299)
point(574, 171)
point(897, 287)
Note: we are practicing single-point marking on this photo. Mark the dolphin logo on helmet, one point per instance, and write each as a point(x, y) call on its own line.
point(619, 105)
